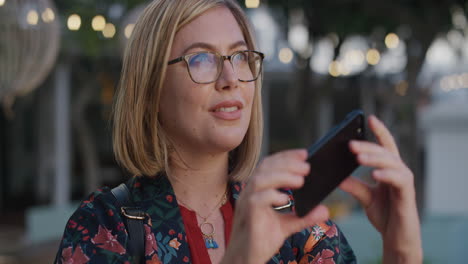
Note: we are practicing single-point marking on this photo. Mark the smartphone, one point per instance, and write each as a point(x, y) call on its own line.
point(331, 161)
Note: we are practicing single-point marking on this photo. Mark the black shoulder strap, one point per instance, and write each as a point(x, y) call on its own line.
point(133, 219)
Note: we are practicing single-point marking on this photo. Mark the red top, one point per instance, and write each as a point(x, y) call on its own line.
point(198, 250)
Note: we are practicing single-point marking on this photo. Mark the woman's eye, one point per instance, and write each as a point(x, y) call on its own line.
point(202, 58)
point(242, 57)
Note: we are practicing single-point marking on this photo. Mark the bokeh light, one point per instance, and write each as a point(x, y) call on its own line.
point(454, 82)
point(109, 30)
point(322, 56)
point(285, 55)
point(373, 56)
point(48, 15)
point(128, 30)
point(392, 40)
point(354, 57)
point(32, 17)
point(351, 55)
point(298, 37)
point(459, 18)
point(252, 3)
point(74, 22)
point(334, 68)
point(98, 23)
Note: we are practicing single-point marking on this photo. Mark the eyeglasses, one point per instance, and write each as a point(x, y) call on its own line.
point(206, 67)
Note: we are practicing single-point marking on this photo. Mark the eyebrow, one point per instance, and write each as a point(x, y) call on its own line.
point(211, 47)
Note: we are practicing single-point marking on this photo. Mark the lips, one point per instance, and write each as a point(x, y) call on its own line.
point(228, 110)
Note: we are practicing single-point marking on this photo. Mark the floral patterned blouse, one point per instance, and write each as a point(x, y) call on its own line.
point(95, 233)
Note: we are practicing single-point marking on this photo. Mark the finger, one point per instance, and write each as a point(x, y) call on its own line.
point(358, 147)
point(399, 179)
point(300, 154)
point(295, 166)
point(379, 160)
point(269, 198)
point(359, 189)
point(294, 224)
point(290, 161)
point(383, 135)
point(275, 180)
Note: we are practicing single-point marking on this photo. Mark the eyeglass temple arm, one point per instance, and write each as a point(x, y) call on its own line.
point(175, 60)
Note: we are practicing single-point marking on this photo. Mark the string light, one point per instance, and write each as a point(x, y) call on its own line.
point(373, 57)
point(109, 31)
point(392, 40)
point(32, 17)
point(252, 3)
point(98, 23)
point(285, 55)
point(128, 30)
point(48, 15)
point(334, 68)
point(74, 22)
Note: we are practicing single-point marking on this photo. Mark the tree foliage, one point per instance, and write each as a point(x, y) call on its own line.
point(362, 16)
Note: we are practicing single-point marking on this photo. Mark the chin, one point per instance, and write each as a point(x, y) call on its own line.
point(227, 146)
point(227, 143)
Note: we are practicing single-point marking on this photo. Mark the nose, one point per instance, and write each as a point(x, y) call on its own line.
point(228, 77)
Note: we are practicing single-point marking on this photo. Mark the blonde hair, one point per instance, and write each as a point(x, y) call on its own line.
point(138, 138)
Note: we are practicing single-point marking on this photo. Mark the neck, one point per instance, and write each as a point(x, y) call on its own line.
point(199, 181)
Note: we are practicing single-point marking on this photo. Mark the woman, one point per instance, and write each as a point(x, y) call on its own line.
point(188, 125)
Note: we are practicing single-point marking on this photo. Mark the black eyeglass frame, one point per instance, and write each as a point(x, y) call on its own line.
point(220, 61)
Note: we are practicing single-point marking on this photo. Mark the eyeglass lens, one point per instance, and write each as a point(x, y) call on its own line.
point(206, 67)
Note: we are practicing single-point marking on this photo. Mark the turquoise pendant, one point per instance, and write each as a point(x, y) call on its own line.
point(210, 243)
point(208, 236)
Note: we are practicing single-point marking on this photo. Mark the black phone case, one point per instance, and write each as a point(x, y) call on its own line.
point(331, 161)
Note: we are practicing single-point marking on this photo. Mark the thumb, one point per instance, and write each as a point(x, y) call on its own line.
point(359, 189)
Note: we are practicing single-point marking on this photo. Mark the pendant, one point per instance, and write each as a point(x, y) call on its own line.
point(210, 243)
point(208, 236)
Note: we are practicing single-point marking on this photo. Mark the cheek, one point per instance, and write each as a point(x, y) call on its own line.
point(181, 110)
point(176, 95)
point(249, 97)
point(175, 109)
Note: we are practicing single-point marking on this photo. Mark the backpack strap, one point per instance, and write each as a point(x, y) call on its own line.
point(133, 219)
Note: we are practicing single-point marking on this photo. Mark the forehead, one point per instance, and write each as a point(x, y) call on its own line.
point(216, 27)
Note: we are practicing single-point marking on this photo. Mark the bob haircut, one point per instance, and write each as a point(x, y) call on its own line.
point(140, 145)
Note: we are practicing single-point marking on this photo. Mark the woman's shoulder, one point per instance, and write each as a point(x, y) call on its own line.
point(96, 214)
point(99, 204)
point(95, 226)
point(100, 208)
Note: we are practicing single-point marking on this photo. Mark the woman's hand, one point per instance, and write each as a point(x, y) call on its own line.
point(391, 204)
point(258, 230)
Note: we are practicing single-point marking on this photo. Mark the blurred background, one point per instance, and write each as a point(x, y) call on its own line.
point(405, 61)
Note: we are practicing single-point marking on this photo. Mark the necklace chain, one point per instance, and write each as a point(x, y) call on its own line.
point(220, 203)
point(208, 236)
